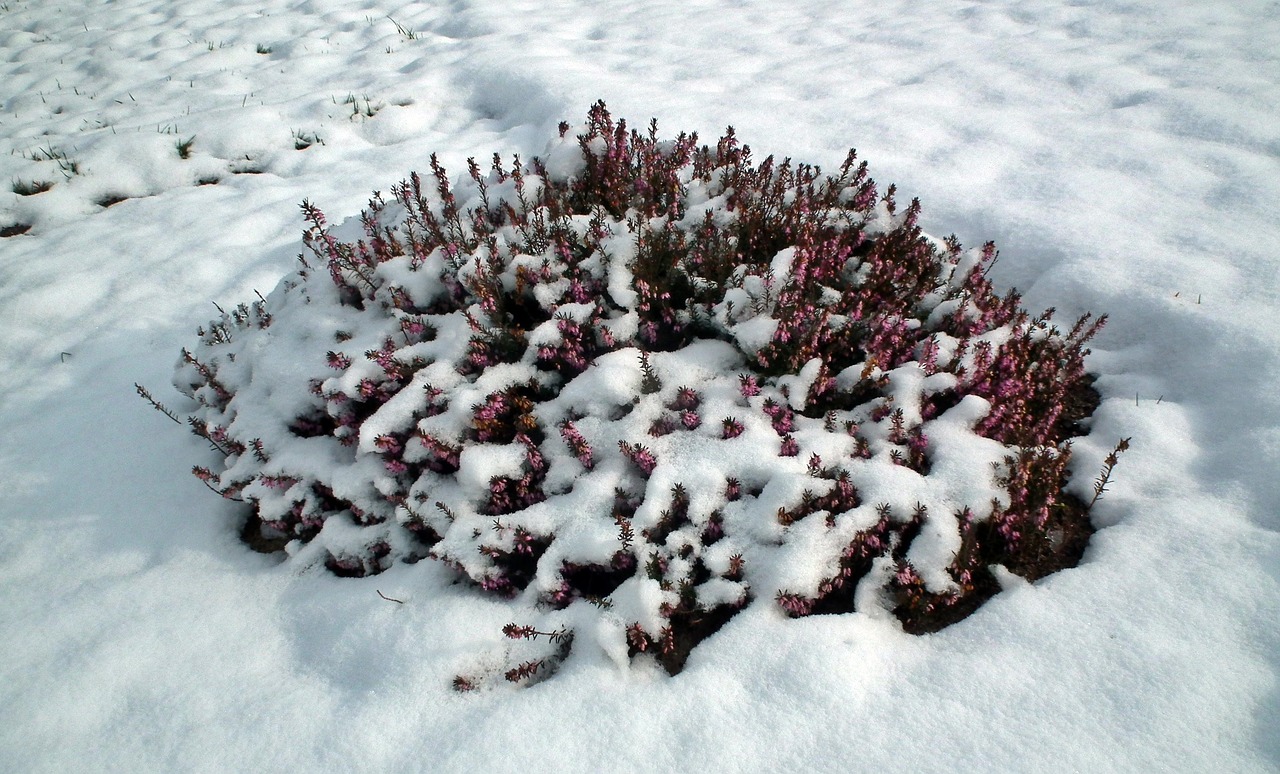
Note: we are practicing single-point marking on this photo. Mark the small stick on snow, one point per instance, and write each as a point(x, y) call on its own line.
point(389, 599)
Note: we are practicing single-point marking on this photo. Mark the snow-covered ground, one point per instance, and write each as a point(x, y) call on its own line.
point(1125, 156)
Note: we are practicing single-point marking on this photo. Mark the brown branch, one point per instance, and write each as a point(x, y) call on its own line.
point(155, 404)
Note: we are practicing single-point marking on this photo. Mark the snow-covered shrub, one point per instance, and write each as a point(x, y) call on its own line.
point(654, 376)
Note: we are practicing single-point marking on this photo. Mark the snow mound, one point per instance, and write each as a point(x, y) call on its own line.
point(657, 378)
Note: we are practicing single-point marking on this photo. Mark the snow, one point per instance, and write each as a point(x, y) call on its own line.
point(1122, 155)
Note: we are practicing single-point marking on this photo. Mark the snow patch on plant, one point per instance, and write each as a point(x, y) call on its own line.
point(656, 378)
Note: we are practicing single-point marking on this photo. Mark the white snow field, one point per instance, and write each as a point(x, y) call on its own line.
point(1124, 155)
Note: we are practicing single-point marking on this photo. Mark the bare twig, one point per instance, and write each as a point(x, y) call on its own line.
point(157, 405)
point(221, 492)
point(515, 632)
point(1108, 465)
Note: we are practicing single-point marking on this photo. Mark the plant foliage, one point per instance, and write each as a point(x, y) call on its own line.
point(660, 377)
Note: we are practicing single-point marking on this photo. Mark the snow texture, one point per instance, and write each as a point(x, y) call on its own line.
point(1122, 155)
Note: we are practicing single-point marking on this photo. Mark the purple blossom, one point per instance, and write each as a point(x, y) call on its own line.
point(577, 445)
point(663, 425)
point(733, 490)
point(795, 605)
point(687, 399)
point(640, 456)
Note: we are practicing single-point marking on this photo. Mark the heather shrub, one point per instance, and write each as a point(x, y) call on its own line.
point(656, 377)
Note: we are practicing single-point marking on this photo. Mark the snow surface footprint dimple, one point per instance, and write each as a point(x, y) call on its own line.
point(205, 78)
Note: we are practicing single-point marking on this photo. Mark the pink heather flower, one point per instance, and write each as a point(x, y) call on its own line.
point(748, 386)
point(577, 445)
point(499, 584)
point(347, 420)
point(731, 428)
point(346, 564)
point(906, 576)
point(1009, 531)
point(782, 416)
point(640, 456)
point(830, 585)
point(661, 426)
point(532, 454)
point(795, 605)
point(561, 596)
point(880, 412)
point(690, 420)
point(687, 399)
point(446, 457)
point(515, 632)
point(637, 638)
point(388, 443)
point(523, 542)
point(733, 490)
point(846, 492)
point(668, 640)
point(789, 447)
